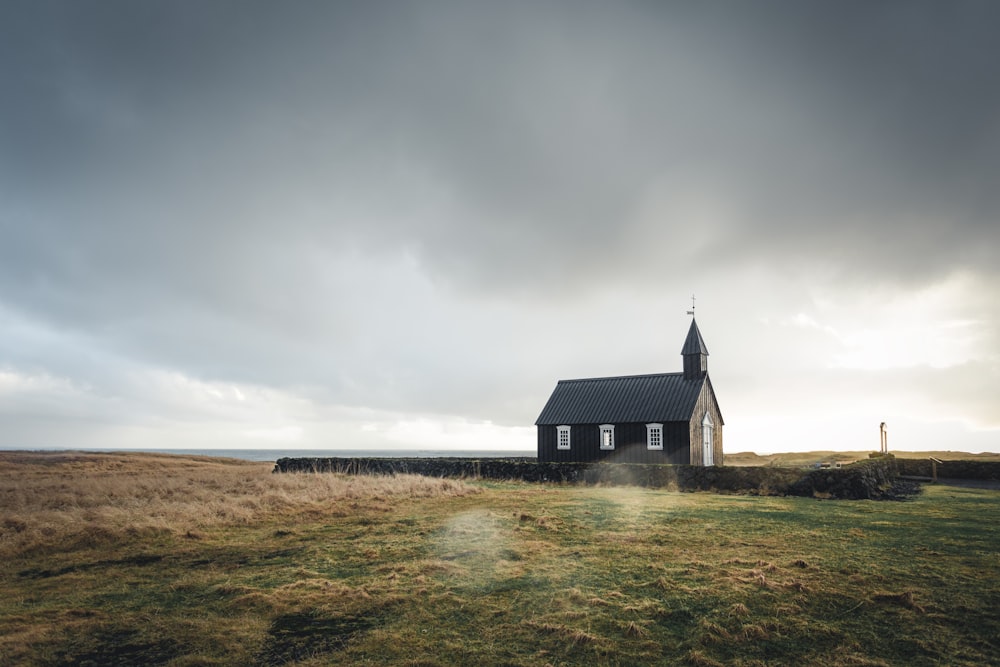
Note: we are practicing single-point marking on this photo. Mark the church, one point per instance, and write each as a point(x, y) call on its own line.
point(661, 418)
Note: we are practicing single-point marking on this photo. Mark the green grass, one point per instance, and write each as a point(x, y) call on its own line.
point(519, 574)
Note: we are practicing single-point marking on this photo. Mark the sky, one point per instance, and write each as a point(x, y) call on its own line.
point(398, 224)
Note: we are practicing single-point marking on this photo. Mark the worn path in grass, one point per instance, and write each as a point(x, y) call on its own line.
point(518, 574)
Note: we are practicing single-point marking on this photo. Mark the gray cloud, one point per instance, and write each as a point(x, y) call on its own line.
point(389, 205)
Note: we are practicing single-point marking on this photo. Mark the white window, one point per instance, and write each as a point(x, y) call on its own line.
point(654, 436)
point(562, 440)
point(607, 436)
point(707, 450)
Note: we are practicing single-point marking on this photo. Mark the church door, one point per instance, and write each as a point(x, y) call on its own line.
point(707, 450)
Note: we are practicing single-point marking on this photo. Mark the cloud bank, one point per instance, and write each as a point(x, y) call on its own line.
point(359, 218)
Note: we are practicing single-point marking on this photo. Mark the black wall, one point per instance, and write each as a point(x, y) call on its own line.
point(630, 444)
point(866, 479)
point(950, 469)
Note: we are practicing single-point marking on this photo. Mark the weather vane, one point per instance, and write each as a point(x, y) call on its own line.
point(691, 312)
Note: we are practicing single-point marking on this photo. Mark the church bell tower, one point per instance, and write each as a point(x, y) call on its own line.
point(695, 354)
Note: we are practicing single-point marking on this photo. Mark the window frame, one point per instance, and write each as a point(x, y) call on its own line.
point(560, 431)
point(607, 443)
point(657, 431)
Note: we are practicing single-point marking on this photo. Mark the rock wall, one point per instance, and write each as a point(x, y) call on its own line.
point(951, 469)
point(872, 479)
point(865, 479)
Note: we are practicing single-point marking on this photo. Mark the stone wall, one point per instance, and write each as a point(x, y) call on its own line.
point(951, 469)
point(872, 479)
point(865, 479)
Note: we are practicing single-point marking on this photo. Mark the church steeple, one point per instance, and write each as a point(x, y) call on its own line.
point(695, 354)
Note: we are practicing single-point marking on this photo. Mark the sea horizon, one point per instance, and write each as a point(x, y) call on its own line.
point(265, 454)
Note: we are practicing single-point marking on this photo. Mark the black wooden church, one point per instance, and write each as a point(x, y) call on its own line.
point(661, 418)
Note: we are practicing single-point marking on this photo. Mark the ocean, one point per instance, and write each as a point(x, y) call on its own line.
point(275, 454)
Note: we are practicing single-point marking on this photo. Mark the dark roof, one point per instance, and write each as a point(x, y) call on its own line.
point(694, 343)
point(664, 397)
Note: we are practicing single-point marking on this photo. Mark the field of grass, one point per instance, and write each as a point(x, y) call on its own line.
point(150, 559)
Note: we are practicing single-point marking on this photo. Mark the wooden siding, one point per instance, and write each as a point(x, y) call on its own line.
point(630, 444)
point(706, 402)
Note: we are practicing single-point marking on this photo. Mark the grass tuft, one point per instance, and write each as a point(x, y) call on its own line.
point(633, 629)
point(904, 599)
point(573, 636)
point(699, 659)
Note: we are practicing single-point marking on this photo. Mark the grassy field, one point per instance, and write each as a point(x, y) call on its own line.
point(148, 559)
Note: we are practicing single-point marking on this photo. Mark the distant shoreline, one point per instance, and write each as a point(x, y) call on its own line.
point(731, 459)
point(270, 454)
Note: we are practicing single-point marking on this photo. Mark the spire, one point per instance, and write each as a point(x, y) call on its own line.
point(695, 354)
point(694, 343)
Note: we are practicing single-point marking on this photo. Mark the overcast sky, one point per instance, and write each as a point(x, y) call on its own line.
point(398, 224)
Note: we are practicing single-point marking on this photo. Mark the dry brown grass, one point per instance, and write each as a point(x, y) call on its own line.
point(73, 500)
point(573, 636)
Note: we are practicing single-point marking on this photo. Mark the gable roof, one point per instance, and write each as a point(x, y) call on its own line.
point(663, 397)
point(694, 343)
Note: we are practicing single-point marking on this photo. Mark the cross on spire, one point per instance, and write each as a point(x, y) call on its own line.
point(691, 312)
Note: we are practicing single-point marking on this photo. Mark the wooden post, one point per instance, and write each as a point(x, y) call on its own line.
point(934, 465)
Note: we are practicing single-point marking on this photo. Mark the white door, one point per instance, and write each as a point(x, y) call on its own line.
point(706, 441)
